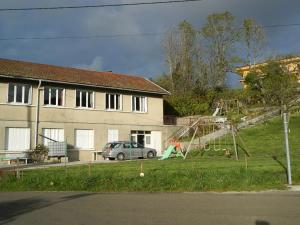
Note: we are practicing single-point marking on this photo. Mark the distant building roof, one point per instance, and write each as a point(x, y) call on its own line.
point(286, 60)
point(28, 70)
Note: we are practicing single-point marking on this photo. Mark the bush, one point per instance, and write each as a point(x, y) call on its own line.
point(39, 153)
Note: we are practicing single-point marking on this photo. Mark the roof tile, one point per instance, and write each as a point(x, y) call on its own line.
point(77, 76)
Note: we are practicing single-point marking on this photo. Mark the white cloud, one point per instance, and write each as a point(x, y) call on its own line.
point(96, 64)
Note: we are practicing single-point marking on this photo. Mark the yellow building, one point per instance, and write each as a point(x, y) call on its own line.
point(291, 63)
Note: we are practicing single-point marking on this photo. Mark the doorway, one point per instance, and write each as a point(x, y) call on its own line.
point(141, 137)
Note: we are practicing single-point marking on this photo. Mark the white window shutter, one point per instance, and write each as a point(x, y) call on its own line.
point(112, 135)
point(84, 139)
point(54, 134)
point(22, 135)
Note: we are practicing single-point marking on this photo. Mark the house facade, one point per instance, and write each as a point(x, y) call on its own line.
point(292, 64)
point(86, 109)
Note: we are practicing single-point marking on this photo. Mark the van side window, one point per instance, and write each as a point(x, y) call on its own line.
point(126, 145)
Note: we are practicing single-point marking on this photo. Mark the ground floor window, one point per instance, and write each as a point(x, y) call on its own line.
point(141, 137)
point(112, 135)
point(84, 139)
point(52, 134)
point(17, 139)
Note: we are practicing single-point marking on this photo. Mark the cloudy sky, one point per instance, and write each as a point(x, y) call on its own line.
point(133, 54)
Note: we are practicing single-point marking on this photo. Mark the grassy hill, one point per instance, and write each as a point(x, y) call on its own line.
point(211, 171)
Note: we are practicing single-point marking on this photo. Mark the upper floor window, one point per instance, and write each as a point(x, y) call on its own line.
point(139, 104)
point(113, 102)
point(19, 93)
point(53, 96)
point(84, 99)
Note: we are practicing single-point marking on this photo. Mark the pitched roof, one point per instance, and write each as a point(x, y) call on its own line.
point(20, 69)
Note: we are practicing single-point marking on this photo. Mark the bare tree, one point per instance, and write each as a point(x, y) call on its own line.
point(254, 38)
point(171, 45)
point(180, 48)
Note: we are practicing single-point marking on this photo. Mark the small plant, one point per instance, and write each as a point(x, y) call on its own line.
point(39, 153)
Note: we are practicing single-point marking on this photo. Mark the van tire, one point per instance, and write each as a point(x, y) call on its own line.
point(150, 155)
point(120, 156)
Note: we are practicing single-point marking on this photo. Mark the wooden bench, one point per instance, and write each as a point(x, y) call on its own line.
point(9, 160)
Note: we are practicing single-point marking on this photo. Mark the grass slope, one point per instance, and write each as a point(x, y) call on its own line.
point(209, 172)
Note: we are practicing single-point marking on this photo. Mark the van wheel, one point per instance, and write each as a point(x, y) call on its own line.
point(150, 155)
point(120, 156)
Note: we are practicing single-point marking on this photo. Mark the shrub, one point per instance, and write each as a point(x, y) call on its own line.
point(39, 153)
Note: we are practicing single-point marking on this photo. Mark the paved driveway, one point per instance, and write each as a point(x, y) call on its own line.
point(64, 208)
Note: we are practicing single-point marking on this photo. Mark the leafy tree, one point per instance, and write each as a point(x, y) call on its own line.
point(272, 83)
point(279, 83)
point(164, 81)
point(220, 36)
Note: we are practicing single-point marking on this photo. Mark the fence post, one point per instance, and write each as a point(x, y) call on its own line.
point(234, 143)
point(89, 169)
point(18, 169)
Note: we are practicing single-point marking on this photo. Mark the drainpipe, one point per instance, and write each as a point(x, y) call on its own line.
point(37, 112)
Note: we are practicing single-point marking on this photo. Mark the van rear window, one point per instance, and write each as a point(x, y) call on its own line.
point(112, 145)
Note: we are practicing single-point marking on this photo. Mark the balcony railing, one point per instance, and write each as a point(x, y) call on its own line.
point(170, 120)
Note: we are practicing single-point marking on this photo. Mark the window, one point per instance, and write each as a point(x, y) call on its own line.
point(112, 145)
point(112, 135)
point(113, 102)
point(17, 139)
point(136, 145)
point(52, 134)
point(127, 145)
point(84, 99)
point(19, 93)
point(53, 96)
point(148, 139)
point(84, 139)
point(139, 104)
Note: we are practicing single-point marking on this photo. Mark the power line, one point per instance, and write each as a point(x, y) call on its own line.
point(281, 25)
point(118, 35)
point(80, 37)
point(97, 6)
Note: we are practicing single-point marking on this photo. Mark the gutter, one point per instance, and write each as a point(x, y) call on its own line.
point(87, 85)
point(37, 112)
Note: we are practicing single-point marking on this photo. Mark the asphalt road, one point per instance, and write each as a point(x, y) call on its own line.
point(79, 208)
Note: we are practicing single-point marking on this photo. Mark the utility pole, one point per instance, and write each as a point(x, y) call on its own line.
point(287, 148)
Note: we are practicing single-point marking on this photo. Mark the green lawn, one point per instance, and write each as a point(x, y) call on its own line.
point(211, 171)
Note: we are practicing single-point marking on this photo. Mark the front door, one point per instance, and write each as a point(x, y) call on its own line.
point(156, 141)
point(141, 139)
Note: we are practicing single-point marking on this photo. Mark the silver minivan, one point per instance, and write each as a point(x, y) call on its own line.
point(121, 150)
